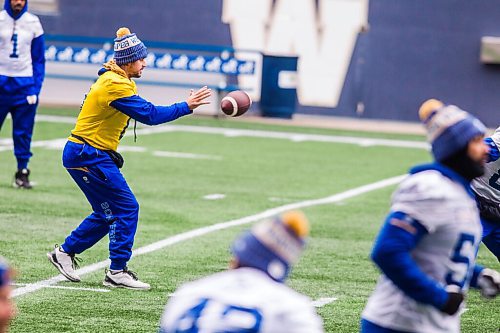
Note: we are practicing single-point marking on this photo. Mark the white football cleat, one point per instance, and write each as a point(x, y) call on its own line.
point(65, 263)
point(124, 279)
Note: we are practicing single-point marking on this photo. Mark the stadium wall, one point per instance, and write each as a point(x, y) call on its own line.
point(418, 49)
point(402, 52)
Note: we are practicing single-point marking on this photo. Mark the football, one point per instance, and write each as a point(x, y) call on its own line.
point(236, 103)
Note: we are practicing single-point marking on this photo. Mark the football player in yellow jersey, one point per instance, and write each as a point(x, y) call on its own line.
point(91, 159)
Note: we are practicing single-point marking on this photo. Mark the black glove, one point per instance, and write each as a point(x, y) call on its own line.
point(453, 303)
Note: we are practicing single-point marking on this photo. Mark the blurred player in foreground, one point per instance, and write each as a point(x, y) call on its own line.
point(92, 160)
point(7, 308)
point(428, 244)
point(22, 70)
point(487, 190)
point(251, 296)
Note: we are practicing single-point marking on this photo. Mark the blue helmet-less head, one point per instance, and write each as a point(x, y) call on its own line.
point(7, 6)
point(273, 245)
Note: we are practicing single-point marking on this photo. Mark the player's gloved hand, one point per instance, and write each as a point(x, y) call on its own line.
point(455, 299)
point(489, 283)
point(32, 99)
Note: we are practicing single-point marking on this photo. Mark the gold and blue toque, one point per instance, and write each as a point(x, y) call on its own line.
point(449, 129)
point(128, 47)
point(273, 245)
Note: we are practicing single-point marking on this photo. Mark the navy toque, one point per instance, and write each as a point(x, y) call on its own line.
point(128, 47)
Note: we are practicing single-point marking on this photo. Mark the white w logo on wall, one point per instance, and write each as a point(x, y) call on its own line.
point(321, 32)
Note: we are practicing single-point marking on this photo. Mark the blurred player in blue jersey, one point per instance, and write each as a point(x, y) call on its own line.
point(252, 296)
point(22, 69)
point(487, 190)
point(92, 160)
point(7, 308)
point(428, 244)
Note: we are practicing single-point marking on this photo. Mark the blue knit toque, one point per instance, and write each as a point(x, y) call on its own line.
point(449, 128)
point(273, 246)
point(128, 47)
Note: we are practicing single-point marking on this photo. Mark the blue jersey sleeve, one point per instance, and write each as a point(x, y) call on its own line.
point(398, 236)
point(475, 275)
point(38, 60)
point(494, 153)
point(147, 113)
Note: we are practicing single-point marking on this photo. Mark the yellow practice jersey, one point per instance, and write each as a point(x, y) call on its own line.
point(101, 125)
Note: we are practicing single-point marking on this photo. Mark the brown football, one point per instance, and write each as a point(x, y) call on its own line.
point(236, 103)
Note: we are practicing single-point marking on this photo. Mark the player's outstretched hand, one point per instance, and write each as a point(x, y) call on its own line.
point(197, 98)
point(489, 283)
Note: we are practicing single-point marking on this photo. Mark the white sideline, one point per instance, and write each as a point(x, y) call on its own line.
point(215, 227)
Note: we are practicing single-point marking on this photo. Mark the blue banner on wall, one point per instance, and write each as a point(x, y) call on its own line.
point(223, 64)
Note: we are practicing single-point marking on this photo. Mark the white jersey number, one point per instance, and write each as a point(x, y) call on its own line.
point(229, 318)
point(14, 46)
point(459, 257)
point(494, 181)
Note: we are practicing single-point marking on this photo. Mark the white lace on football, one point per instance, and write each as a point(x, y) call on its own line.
point(234, 103)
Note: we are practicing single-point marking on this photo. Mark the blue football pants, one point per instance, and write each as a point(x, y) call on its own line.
point(115, 209)
point(491, 237)
point(23, 121)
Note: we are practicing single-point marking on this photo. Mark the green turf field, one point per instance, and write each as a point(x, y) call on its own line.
point(254, 173)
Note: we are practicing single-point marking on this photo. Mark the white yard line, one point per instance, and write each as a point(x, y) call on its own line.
point(320, 302)
point(7, 145)
point(6, 141)
point(48, 144)
point(160, 153)
point(135, 149)
point(233, 132)
point(215, 227)
point(100, 290)
point(55, 119)
point(214, 196)
point(298, 137)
